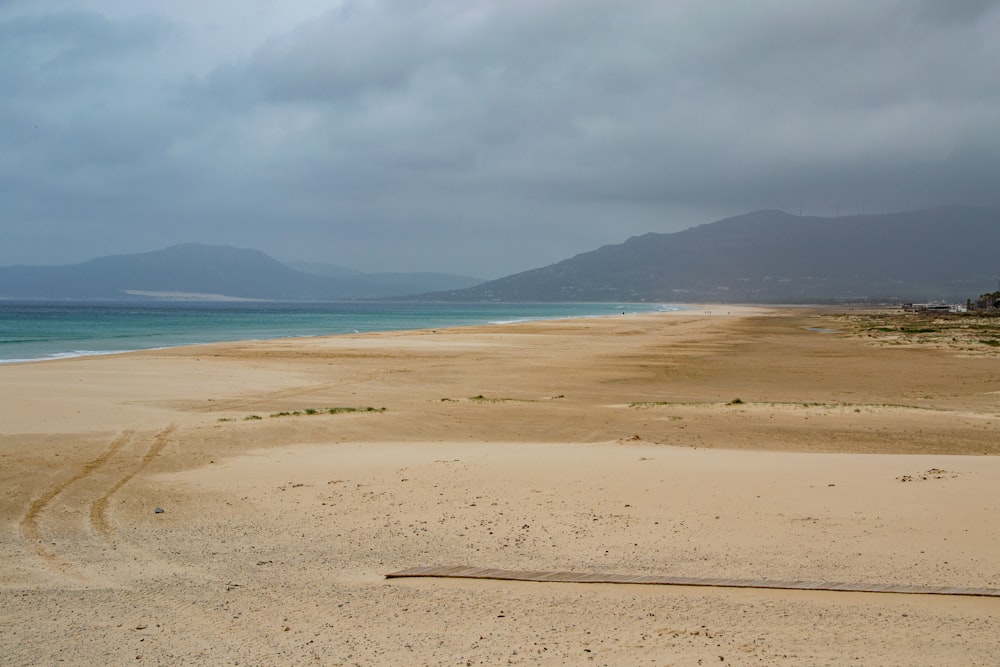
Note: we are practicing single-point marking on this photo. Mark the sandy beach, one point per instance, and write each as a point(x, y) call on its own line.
point(242, 503)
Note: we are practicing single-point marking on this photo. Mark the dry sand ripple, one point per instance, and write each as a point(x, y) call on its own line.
point(611, 445)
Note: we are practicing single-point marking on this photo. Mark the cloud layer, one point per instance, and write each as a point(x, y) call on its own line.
point(473, 136)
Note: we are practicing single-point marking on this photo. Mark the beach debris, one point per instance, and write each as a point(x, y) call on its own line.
point(933, 473)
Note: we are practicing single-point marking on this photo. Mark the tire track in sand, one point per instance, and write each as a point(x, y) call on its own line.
point(99, 508)
point(30, 527)
point(90, 480)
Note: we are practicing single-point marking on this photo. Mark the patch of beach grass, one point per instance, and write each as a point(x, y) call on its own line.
point(961, 332)
point(499, 399)
point(325, 411)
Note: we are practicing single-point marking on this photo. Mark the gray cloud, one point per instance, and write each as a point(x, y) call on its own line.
point(482, 137)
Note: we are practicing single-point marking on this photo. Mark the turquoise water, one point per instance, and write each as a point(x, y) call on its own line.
point(36, 330)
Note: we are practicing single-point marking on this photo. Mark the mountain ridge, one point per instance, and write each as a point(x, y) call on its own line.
point(770, 256)
point(767, 256)
point(193, 270)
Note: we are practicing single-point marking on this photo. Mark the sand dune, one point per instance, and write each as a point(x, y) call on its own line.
point(241, 503)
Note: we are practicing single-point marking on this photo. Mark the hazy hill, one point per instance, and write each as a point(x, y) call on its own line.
point(194, 269)
point(769, 256)
point(393, 283)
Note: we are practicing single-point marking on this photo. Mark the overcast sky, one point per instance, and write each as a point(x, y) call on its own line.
point(481, 137)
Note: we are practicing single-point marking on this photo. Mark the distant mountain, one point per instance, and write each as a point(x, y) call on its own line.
point(203, 271)
point(392, 283)
point(774, 257)
point(325, 269)
point(948, 254)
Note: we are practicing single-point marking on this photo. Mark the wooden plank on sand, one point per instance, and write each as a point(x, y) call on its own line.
point(467, 572)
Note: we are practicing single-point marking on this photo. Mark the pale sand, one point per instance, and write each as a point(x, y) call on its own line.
point(599, 446)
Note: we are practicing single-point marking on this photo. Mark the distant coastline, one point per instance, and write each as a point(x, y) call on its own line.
point(187, 296)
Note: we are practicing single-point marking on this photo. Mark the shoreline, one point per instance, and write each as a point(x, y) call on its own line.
point(73, 354)
point(243, 501)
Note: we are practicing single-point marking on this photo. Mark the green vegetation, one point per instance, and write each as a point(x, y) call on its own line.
point(484, 399)
point(306, 411)
point(965, 332)
point(989, 301)
point(325, 411)
point(644, 405)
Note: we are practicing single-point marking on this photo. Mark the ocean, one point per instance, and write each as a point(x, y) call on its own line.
point(39, 330)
